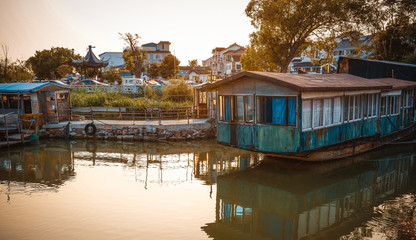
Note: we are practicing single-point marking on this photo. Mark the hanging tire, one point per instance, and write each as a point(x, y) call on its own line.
point(90, 129)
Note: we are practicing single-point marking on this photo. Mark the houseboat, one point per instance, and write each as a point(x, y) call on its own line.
point(312, 117)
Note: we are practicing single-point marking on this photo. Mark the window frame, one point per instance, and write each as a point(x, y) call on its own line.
point(259, 108)
point(324, 117)
point(234, 109)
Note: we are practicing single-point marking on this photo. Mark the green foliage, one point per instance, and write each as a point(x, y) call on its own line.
point(316, 49)
point(15, 71)
point(169, 67)
point(153, 71)
point(64, 69)
point(45, 63)
point(283, 27)
point(112, 75)
point(134, 56)
point(178, 91)
point(254, 59)
point(154, 97)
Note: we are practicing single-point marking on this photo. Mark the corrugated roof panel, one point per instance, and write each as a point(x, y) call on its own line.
point(21, 87)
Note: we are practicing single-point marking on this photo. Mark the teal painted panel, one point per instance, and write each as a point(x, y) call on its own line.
point(337, 134)
point(245, 136)
point(271, 138)
point(223, 133)
point(389, 125)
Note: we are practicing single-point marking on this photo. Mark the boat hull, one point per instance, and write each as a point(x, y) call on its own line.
point(349, 148)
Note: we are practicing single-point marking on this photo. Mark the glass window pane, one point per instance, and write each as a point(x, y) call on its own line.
point(351, 108)
point(306, 114)
point(249, 108)
point(227, 108)
point(328, 111)
point(240, 108)
point(337, 110)
point(318, 112)
point(291, 111)
point(357, 107)
point(221, 110)
point(383, 106)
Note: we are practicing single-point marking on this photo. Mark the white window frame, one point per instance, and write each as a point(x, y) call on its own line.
point(324, 117)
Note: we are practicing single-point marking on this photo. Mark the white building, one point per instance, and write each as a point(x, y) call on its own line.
point(115, 59)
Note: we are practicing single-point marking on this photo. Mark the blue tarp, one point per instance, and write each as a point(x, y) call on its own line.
point(291, 111)
point(279, 110)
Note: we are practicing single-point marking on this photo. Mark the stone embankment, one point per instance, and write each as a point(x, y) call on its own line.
point(168, 130)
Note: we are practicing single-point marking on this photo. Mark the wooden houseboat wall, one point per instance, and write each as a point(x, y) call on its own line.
point(261, 115)
point(49, 101)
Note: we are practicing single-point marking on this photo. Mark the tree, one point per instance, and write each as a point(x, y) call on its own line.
point(153, 70)
point(169, 67)
point(392, 27)
point(64, 69)
point(193, 63)
point(112, 75)
point(255, 60)
point(133, 56)
point(283, 27)
point(15, 71)
point(321, 51)
point(5, 49)
point(45, 63)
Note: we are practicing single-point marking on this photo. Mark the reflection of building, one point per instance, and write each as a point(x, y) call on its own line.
point(277, 200)
point(48, 165)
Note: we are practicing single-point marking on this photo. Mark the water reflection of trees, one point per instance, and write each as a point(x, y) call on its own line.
point(283, 200)
point(166, 162)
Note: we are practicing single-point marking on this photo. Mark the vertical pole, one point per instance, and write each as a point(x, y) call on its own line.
point(187, 115)
point(134, 108)
point(36, 125)
point(2, 104)
point(7, 130)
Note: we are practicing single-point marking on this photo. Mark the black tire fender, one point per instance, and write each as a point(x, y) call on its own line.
point(90, 129)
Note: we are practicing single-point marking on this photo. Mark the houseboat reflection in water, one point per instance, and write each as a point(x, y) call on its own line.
point(286, 200)
point(53, 162)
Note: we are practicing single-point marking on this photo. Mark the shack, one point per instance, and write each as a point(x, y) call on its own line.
point(205, 103)
point(300, 116)
point(49, 102)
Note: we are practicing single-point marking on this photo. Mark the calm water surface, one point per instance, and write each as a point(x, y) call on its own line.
point(80, 189)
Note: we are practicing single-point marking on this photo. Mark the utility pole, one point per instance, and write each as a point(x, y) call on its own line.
point(5, 53)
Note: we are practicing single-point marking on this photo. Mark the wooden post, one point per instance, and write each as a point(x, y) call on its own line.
point(187, 115)
point(2, 104)
point(7, 130)
point(36, 125)
point(160, 121)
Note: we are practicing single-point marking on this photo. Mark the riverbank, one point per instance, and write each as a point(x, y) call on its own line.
point(165, 130)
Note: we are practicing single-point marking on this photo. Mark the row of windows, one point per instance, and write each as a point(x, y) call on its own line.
point(272, 110)
point(324, 112)
point(316, 113)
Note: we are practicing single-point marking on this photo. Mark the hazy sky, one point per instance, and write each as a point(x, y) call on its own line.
point(194, 27)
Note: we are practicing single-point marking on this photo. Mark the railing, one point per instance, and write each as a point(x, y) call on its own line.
point(106, 88)
point(141, 113)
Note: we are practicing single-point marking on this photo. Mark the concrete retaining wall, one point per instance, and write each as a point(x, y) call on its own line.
point(129, 132)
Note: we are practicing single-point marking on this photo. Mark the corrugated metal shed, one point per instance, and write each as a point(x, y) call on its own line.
point(27, 87)
point(310, 82)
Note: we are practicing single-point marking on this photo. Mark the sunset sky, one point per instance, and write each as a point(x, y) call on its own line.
point(193, 27)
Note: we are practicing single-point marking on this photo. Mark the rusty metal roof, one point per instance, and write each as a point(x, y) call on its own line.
point(396, 83)
point(316, 82)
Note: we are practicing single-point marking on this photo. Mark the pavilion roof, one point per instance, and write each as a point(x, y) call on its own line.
point(89, 61)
